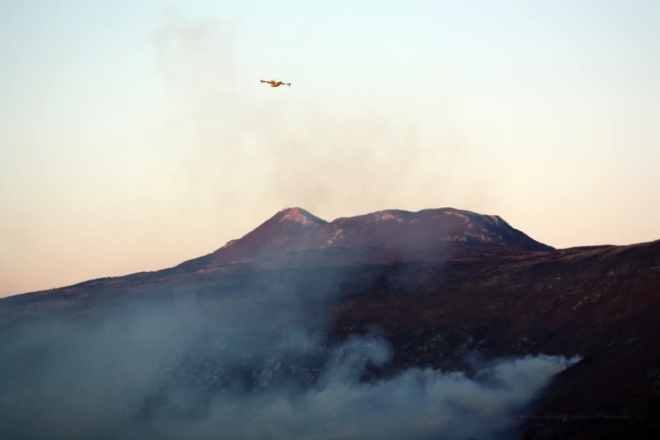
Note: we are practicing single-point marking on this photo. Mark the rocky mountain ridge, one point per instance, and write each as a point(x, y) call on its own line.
point(432, 235)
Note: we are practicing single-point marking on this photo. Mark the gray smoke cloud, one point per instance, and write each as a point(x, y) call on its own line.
point(243, 364)
point(417, 404)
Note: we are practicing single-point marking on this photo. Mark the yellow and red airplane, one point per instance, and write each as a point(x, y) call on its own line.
point(274, 83)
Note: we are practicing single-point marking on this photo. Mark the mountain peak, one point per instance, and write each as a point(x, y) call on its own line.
point(298, 215)
point(388, 235)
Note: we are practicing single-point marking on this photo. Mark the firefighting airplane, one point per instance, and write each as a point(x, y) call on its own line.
point(274, 83)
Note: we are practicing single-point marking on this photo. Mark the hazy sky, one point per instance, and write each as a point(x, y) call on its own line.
point(136, 135)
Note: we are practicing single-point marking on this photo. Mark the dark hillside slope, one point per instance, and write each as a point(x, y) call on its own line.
point(601, 303)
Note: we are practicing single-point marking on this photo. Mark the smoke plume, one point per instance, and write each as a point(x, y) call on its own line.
point(246, 363)
point(248, 144)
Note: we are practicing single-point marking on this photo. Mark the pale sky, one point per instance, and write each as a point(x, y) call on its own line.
point(136, 135)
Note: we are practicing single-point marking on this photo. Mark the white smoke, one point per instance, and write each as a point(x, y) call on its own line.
point(247, 366)
point(417, 404)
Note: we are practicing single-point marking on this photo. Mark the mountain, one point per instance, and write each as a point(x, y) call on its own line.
point(391, 235)
point(448, 290)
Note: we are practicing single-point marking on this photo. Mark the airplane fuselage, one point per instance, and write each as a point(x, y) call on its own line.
point(274, 83)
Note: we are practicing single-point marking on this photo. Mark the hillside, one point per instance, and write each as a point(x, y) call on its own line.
point(446, 289)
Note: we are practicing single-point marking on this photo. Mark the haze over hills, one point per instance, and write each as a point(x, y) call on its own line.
point(300, 309)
